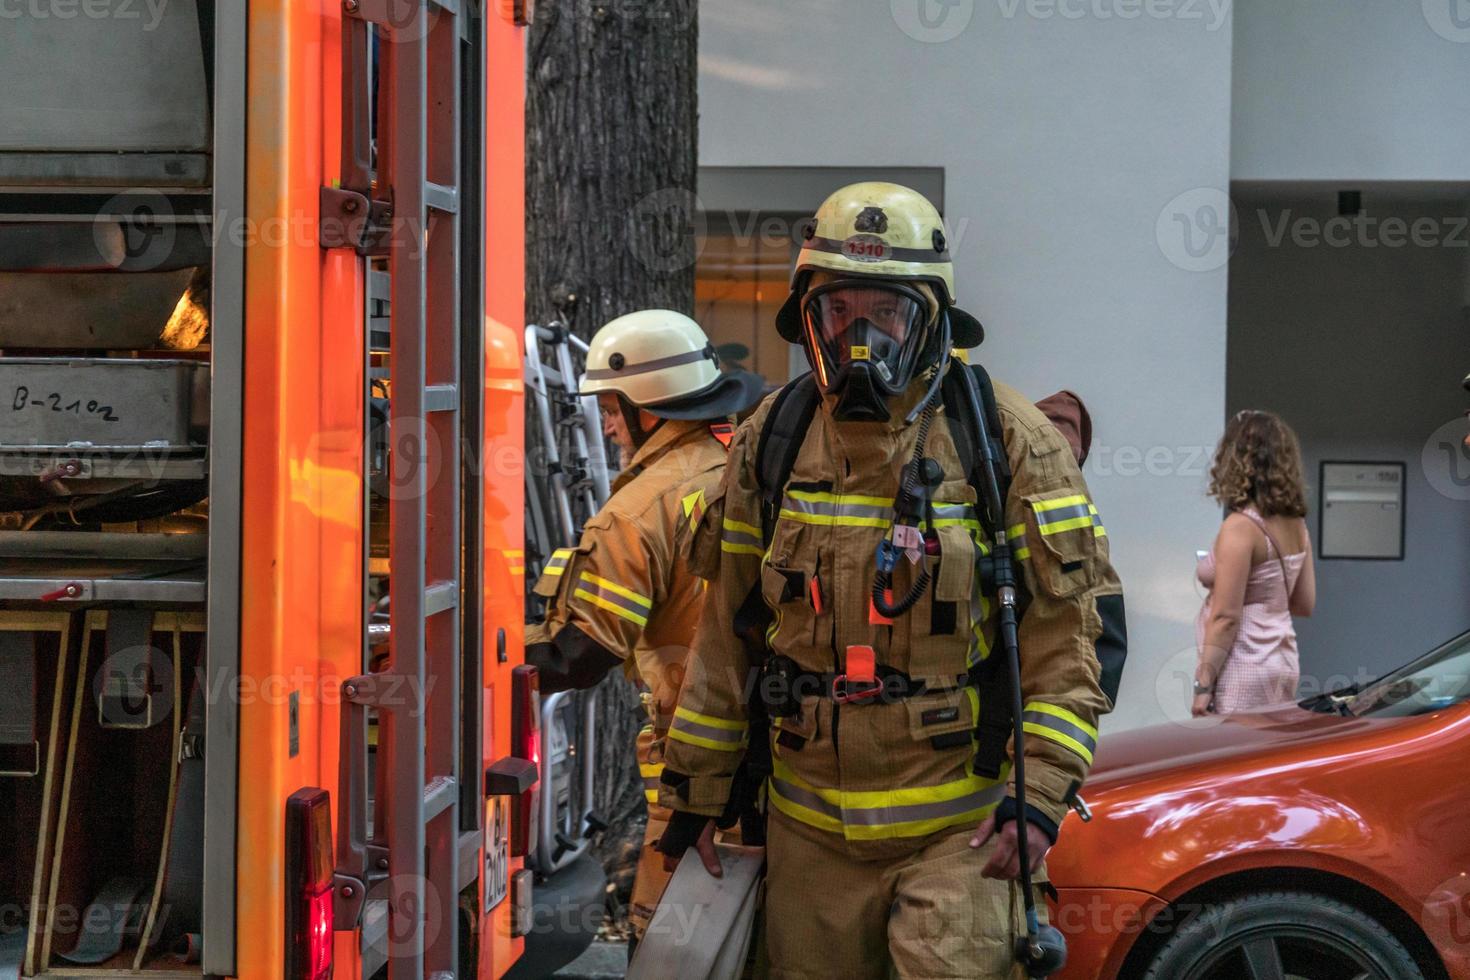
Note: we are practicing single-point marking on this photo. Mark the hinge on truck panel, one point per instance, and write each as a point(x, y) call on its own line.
point(384, 13)
point(349, 220)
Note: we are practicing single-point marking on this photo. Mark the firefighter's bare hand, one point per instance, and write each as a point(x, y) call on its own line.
point(705, 846)
point(1005, 863)
point(1202, 705)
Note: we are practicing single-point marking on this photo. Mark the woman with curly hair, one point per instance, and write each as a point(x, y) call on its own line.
point(1259, 573)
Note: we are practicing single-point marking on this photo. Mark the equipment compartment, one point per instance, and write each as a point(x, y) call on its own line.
point(103, 404)
point(128, 846)
point(39, 653)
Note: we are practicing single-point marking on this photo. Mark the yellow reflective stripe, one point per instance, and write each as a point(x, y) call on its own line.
point(856, 814)
point(728, 724)
point(806, 815)
point(1067, 525)
point(1061, 738)
point(833, 520)
point(650, 770)
point(557, 563)
point(708, 731)
point(1099, 531)
point(1021, 554)
point(742, 527)
point(839, 499)
point(1042, 506)
point(616, 589)
point(688, 738)
point(740, 538)
point(1060, 726)
point(651, 795)
point(1062, 713)
point(611, 606)
point(1015, 531)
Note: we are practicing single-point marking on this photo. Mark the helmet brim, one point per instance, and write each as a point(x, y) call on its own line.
point(965, 331)
point(734, 393)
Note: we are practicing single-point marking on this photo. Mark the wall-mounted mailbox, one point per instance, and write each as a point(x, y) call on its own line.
point(1362, 512)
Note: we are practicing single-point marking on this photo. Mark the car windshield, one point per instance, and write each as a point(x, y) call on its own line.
point(1437, 680)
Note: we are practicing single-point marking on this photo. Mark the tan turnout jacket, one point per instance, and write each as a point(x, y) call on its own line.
point(881, 778)
point(626, 584)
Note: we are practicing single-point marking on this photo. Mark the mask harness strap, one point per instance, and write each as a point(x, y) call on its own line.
point(1043, 950)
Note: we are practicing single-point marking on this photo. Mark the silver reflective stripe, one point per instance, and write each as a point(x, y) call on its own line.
point(740, 537)
point(657, 364)
point(879, 816)
point(1059, 514)
point(689, 727)
point(885, 815)
point(806, 798)
point(878, 513)
point(1061, 725)
point(827, 508)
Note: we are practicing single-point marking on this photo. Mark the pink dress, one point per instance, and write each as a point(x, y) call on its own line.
point(1262, 667)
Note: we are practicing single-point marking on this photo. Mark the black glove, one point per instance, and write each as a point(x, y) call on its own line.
point(1006, 812)
point(683, 830)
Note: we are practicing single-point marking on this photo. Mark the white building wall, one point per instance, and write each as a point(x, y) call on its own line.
point(1085, 145)
point(1352, 89)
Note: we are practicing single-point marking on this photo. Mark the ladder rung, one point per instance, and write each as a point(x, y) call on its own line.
point(438, 795)
point(441, 398)
point(439, 597)
point(441, 198)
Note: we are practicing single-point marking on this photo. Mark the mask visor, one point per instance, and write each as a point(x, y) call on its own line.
point(860, 322)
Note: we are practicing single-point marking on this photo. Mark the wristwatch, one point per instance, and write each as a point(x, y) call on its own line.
point(1203, 688)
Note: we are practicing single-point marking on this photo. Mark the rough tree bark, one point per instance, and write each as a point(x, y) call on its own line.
point(611, 123)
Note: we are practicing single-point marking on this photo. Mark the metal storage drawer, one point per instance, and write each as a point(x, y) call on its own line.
point(103, 404)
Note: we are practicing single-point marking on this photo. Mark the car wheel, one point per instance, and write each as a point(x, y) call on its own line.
point(1282, 936)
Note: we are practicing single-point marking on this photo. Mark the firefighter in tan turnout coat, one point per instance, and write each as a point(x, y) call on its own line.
point(624, 594)
point(891, 829)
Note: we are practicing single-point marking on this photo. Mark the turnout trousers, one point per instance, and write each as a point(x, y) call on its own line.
point(927, 916)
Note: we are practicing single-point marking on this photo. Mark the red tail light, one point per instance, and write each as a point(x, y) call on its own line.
point(525, 725)
point(309, 871)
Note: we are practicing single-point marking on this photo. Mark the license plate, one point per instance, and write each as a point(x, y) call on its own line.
point(497, 854)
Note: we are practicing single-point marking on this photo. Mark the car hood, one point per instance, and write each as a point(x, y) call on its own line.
point(1141, 752)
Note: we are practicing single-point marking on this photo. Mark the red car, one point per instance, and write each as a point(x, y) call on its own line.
point(1328, 840)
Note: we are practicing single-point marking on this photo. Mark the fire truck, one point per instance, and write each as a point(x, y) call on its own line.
point(263, 712)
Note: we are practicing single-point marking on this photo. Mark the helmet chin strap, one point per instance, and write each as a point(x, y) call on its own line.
point(636, 432)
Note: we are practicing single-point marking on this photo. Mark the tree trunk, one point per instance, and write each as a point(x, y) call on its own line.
point(611, 125)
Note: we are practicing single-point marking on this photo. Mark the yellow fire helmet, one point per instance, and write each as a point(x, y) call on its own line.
point(878, 230)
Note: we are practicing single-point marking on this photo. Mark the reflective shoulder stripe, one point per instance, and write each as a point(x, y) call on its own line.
point(1058, 503)
point(1060, 726)
point(1014, 533)
point(557, 563)
point(1065, 514)
point(740, 538)
point(614, 598)
point(707, 731)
